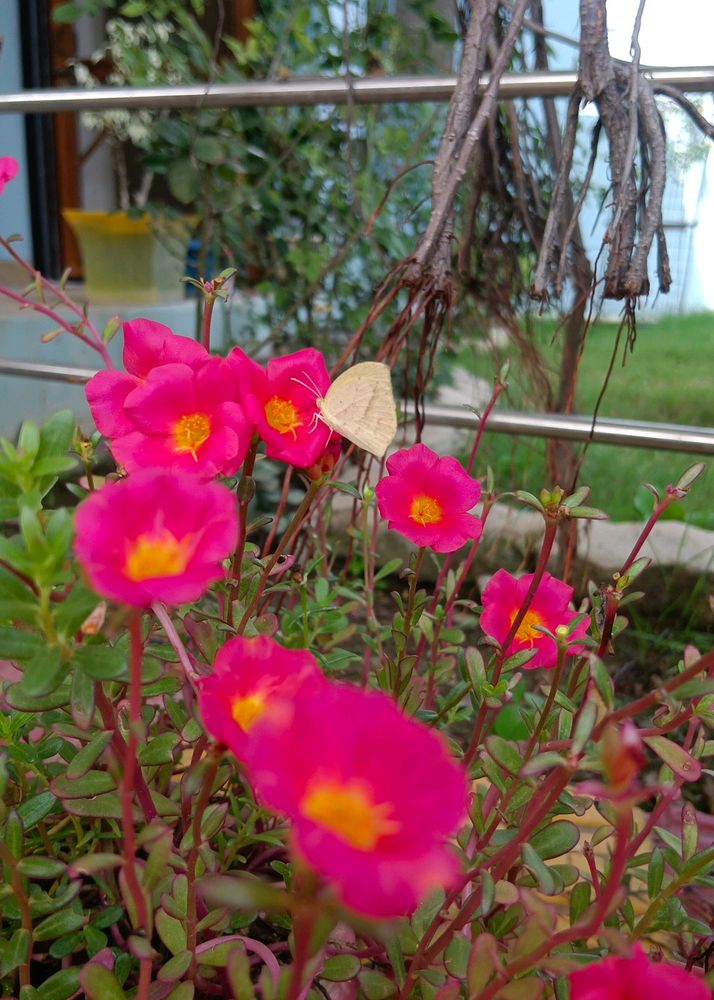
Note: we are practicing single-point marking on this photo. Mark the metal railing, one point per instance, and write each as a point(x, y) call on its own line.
point(319, 90)
point(379, 90)
point(632, 433)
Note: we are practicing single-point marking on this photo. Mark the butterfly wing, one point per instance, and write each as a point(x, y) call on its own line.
point(360, 406)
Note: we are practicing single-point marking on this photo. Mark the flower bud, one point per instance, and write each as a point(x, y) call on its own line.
point(623, 755)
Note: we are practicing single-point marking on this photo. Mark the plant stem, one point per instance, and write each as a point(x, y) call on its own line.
point(304, 922)
point(554, 685)
point(292, 530)
point(210, 301)
point(175, 639)
point(126, 790)
point(203, 800)
point(245, 493)
point(407, 624)
point(106, 711)
point(23, 903)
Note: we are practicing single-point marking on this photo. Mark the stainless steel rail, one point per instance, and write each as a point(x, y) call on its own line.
point(320, 90)
point(632, 433)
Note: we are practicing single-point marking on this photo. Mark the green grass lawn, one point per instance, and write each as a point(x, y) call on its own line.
point(668, 378)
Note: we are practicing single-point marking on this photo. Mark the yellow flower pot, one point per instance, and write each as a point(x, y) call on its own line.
point(139, 260)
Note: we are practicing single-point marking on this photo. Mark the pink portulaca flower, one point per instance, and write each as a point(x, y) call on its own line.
point(248, 676)
point(174, 408)
point(146, 346)
point(636, 978)
point(372, 795)
point(9, 169)
point(281, 401)
point(155, 536)
point(185, 420)
point(550, 608)
point(428, 498)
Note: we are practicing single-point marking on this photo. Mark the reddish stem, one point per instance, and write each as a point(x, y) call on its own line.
point(126, 791)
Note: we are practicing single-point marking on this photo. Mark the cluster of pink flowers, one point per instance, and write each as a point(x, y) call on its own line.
point(372, 795)
point(178, 408)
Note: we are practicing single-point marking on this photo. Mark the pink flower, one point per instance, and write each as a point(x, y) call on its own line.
point(282, 403)
point(427, 498)
point(184, 419)
point(155, 536)
point(636, 978)
point(146, 346)
point(550, 608)
point(248, 675)
point(174, 408)
point(9, 169)
point(372, 795)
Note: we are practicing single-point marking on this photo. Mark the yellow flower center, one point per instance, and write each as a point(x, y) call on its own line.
point(282, 415)
point(156, 555)
point(190, 432)
point(246, 711)
point(425, 510)
point(347, 810)
point(526, 632)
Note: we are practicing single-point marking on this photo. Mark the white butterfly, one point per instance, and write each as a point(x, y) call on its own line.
point(360, 406)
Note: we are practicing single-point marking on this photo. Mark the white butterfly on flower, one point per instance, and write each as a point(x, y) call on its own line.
point(360, 406)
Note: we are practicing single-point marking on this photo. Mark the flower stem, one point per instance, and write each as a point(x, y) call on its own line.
point(126, 790)
point(210, 301)
point(23, 903)
point(292, 530)
point(246, 490)
point(408, 616)
point(203, 800)
point(554, 685)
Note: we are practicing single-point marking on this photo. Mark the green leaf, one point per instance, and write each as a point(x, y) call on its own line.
point(58, 924)
point(99, 983)
point(208, 149)
point(34, 809)
point(84, 758)
point(91, 863)
point(541, 873)
point(18, 645)
point(102, 663)
point(579, 901)
point(15, 952)
point(184, 181)
point(82, 699)
point(340, 968)
point(90, 784)
point(61, 985)
point(674, 756)
point(504, 753)
point(36, 867)
point(56, 435)
point(175, 967)
point(159, 749)
point(655, 873)
point(375, 985)
point(171, 931)
point(555, 840)
point(44, 673)
point(16, 698)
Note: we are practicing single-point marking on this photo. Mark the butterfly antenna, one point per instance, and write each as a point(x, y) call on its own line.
point(310, 385)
